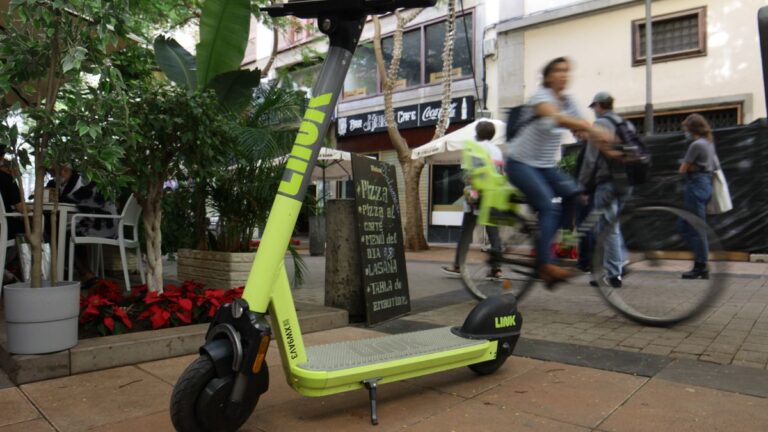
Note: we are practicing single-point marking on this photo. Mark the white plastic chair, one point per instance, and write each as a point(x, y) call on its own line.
point(5, 243)
point(128, 218)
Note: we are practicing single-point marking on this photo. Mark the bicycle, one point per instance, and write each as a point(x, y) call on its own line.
point(651, 293)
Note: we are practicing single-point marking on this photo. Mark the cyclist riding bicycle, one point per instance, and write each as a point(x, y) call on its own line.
point(532, 158)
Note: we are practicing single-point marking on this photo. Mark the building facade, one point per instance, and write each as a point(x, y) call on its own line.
point(360, 125)
point(706, 57)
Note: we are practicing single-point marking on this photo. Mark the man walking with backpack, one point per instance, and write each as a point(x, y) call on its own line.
point(604, 179)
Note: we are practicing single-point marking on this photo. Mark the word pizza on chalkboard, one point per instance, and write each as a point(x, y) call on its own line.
point(382, 256)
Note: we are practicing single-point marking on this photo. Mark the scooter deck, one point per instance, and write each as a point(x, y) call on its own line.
point(343, 366)
point(365, 352)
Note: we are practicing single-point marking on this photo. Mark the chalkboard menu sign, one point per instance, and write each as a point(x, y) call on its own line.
point(382, 255)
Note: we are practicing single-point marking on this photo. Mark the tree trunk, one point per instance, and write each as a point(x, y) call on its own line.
point(414, 233)
point(414, 221)
point(273, 54)
point(201, 226)
point(35, 232)
point(445, 104)
point(35, 237)
point(152, 213)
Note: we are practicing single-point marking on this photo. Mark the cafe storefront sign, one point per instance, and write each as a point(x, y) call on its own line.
point(407, 117)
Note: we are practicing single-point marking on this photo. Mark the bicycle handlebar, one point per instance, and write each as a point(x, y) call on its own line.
point(344, 8)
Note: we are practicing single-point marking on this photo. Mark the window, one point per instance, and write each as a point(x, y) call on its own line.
point(421, 62)
point(346, 189)
point(303, 78)
point(361, 78)
point(675, 36)
point(410, 62)
point(447, 188)
point(670, 121)
point(462, 56)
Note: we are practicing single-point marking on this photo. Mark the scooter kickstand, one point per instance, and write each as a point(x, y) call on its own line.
point(371, 385)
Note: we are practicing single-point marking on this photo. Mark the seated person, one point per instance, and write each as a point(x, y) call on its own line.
point(11, 196)
point(13, 203)
point(75, 189)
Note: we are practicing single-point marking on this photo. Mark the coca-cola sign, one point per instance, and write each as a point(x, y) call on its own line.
point(412, 116)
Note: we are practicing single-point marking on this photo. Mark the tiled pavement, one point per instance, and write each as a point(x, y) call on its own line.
point(525, 394)
point(580, 368)
point(734, 332)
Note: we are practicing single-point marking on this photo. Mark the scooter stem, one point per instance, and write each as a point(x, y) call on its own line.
point(344, 34)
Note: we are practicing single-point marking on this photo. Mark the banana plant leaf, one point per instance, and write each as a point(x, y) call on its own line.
point(235, 89)
point(177, 63)
point(224, 27)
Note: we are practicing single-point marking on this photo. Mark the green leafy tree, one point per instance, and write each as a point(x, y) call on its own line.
point(45, 45)
point(173, 132)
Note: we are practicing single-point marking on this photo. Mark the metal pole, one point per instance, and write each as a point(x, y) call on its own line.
point(762, 25)
point(324, 192)
point(648, 125)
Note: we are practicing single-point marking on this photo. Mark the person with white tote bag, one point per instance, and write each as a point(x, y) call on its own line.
point(698, 168)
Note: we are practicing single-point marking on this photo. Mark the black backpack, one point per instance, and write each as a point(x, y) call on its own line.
point(518, 118)
point(638, 159)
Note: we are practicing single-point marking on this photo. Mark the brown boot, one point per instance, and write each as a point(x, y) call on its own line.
point(552, 274)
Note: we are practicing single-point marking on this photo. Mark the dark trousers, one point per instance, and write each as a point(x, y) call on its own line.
point(468, 223)
point(587, 241)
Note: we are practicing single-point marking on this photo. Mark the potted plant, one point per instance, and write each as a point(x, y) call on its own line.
point(44, 49)
point(241, 194)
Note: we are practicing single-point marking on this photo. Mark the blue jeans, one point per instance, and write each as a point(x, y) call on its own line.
point(540, 186)
point(609, 202)
point(697, 191)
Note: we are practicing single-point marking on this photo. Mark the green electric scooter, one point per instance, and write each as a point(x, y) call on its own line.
point(220, 389)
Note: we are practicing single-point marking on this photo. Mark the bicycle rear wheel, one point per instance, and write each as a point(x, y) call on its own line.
point(516, 266)
point(652, 291)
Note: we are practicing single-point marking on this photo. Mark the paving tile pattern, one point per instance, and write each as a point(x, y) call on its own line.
point(524, 395)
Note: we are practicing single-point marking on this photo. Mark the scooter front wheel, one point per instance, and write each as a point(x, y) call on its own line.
point(200, 400)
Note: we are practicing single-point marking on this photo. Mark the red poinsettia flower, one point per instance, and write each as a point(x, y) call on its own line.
point(159, 318)
point(109, 323)
point(139, 290)
point(152, 297)
point(185, 304)
point(120, 313)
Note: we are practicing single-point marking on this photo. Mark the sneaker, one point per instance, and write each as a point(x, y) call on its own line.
point(451, 271)
point(613, 282)
point(495, 274)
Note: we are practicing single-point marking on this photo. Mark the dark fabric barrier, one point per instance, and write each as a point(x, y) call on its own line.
point(743, 153)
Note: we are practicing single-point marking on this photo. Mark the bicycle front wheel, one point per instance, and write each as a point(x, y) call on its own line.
point(652, 256)
point(510, 273)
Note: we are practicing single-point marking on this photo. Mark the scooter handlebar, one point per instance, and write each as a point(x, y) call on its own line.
point(345, 8)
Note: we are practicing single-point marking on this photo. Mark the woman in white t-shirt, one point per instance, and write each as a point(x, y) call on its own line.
point(532, 157)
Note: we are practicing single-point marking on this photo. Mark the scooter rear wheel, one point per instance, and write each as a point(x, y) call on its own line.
point(488, 367)
point(200, 400)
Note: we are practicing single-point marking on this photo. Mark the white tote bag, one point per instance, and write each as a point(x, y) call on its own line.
point(721, 196)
